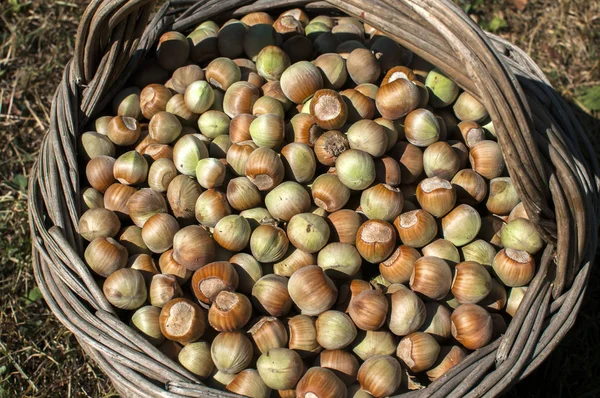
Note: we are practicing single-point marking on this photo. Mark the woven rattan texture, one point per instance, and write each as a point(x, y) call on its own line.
point(547, 154)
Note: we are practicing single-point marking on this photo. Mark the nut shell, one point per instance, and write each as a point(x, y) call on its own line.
point(99, 173)
point(416, 228)
point(280, 368)
point(335, 330)
point(375, 240)
point(158, 232)
point(320, 382)
point(399, 266)
point(343, 364)
point(344, 225)
point(268, 332)
point(100, 222)
point(514, 267)
point(163, 288)
point(193, 247)
point(212, 279)
point(229, 311)
point(270, 295)
point(231, 352)
point(407, 311)
point(380, 375)
point(397, 99)
point(431, 277)
point(105, 256)
point(471, 326)
point(265, 169)
point(182, 320)
point(368, 310)
point(312, 290)
point(472, 283)
point(248, 383)
point(125, 289)
point(418, 351)
point(300, 81)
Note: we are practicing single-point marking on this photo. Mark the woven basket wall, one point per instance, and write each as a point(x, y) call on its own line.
point(547, 154)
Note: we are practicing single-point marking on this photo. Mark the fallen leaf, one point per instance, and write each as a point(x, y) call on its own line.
point(590, 97)
point(520, 4)
point(34, 294)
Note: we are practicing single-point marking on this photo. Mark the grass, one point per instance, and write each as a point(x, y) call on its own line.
point(40, 358)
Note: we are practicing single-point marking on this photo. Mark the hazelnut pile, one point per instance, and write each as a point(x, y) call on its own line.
point(301, 207)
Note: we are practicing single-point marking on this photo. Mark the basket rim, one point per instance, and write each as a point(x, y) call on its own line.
point(502, 76)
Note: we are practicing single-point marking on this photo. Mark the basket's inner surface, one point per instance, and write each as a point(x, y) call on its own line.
point(546, 152)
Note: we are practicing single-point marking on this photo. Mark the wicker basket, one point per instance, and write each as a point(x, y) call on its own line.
point(547, 154)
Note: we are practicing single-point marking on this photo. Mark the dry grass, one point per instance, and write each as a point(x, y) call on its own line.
point(562, 36)
point(40, 358)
